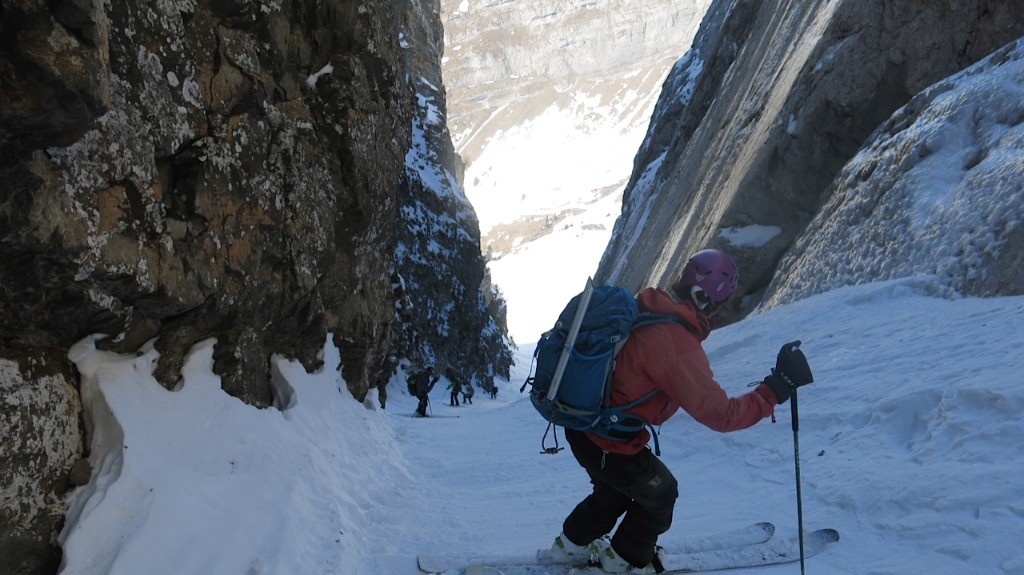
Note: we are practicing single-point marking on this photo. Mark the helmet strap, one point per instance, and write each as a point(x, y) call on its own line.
point(700, 298)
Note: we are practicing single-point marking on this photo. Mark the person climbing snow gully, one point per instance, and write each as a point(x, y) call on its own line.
point(456, 388)
point(627, 477)
point(422, 383)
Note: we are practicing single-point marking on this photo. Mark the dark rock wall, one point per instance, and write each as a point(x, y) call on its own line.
point(223, 169)
point(220, 191)
point(447, 314)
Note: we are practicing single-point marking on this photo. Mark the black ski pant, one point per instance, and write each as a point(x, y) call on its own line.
point(639, 486)
point(422, 407)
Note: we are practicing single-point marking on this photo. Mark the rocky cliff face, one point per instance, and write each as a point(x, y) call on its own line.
point(505, 62)
point(938, 191)
point(549, 98)
point(447, 313)
point(757, 120)
point(178, 171)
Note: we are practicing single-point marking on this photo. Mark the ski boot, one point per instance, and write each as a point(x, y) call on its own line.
point(612, 562)
point(566, 552)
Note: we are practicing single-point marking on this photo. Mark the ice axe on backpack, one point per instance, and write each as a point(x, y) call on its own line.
point(563, 359)
point(570, 340)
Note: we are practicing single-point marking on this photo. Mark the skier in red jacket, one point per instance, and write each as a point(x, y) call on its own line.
point(627, 478)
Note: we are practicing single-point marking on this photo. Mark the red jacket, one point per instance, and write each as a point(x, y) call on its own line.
point(669, 358)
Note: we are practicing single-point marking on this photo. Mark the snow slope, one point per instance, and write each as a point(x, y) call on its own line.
point(911, 442)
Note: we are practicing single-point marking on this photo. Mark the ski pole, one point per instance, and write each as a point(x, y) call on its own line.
point(796, 457)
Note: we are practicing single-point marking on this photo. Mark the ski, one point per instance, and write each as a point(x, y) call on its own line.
point(772, 552)
point(744, 536)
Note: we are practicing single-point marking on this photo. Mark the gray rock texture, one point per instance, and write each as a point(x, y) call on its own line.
point(757, 120)
point(938, 191)
point(40, 423)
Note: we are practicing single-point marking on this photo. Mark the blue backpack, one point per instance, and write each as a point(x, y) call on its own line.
point(574, 361)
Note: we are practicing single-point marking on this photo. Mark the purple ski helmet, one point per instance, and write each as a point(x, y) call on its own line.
point(714, 271)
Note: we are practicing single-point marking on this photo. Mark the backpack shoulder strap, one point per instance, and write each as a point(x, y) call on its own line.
point(648, 318)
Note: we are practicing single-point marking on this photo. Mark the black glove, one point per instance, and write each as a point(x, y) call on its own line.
point(791, 371)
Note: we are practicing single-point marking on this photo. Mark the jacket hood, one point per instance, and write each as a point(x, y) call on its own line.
point(657, 300)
